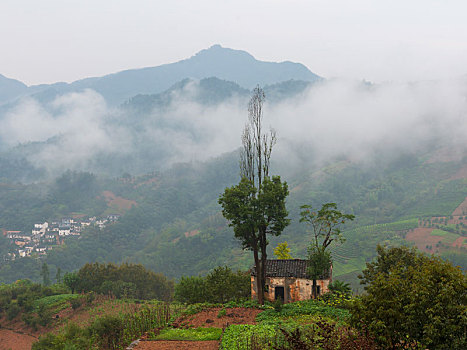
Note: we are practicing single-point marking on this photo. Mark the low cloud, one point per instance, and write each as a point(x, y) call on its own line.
point(333, 118)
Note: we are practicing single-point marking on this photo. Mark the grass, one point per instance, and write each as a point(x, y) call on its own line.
point(448, 237)
point(55, 300)
point(438, 232)
point(194, 334)
point(354, 264)
point(301, 308)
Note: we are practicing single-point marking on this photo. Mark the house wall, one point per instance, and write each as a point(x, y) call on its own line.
point(295, 289)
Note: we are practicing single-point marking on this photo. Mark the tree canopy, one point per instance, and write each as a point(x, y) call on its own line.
point(282, 251)
point(325, 228)
point(415, 298)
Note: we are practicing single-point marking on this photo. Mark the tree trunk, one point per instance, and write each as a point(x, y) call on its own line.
point(313, 289)
point(259, 283)
point(263, 244)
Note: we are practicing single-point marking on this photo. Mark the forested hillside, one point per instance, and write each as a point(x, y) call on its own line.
point(176, 227)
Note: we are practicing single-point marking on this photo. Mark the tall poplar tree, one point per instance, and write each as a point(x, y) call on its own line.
point(256, 206)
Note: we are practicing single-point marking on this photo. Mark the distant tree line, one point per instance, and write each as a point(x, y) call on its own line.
point(123, 281)
point(220, 286)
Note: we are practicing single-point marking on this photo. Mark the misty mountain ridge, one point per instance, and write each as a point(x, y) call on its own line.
point(10, 89)
point(224, 63)
point(212, 91)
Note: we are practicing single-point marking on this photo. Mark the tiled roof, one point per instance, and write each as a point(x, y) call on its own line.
point(285, 268)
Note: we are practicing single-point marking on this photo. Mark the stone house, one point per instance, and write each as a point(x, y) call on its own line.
point(287, 279)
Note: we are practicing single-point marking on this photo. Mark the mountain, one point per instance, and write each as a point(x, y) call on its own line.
point(11, 89)
point(211, 91)
point(233, 65)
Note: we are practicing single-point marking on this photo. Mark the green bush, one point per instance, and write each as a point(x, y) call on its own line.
point(222, 312)
point(107, 331)
point(278, 304)
point(12, 311)
point(413, 297)
point(221, 285)
point(76, 303)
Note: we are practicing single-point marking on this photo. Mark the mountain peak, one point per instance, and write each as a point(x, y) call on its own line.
point(224, 63)
point(218, 52)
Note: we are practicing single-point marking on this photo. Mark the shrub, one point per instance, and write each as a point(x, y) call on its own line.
point(107, 331)
point(12, 311)
point(76, 303)
point(340, 287)
point(222, 312)
point(278, 304)
point(220, 286)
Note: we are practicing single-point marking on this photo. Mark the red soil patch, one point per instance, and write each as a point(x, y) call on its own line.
point(461, 209)
point(119, 203)
point(208, 318)
point(153, 180)
point(458, 243)
point(445, 155)
point(460, 174)
point(10, 340)
point(172, 345)
point(422, 237)
point(191, 233)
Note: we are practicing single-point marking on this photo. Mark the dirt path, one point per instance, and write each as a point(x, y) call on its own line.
point(10, 340)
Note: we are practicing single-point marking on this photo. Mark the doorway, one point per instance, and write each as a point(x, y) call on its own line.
point(279, 293)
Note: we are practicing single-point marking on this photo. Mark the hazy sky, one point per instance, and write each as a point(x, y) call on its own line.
point(44, 41)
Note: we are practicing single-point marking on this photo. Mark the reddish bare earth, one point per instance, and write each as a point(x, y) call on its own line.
point(208, 318)
point(10, 340)
point(422, 237)
point(191, 233)
point(460, 174)
point(121, 204)
point(458, 243)
point(445, 155)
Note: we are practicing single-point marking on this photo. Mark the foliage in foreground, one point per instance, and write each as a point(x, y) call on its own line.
point(413, 297)
point(109, 331)
point(321, 334)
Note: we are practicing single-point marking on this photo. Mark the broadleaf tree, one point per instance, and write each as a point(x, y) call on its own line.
point(256, 206)
point(413, 298)
point(282, 251)
point(325, 226)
